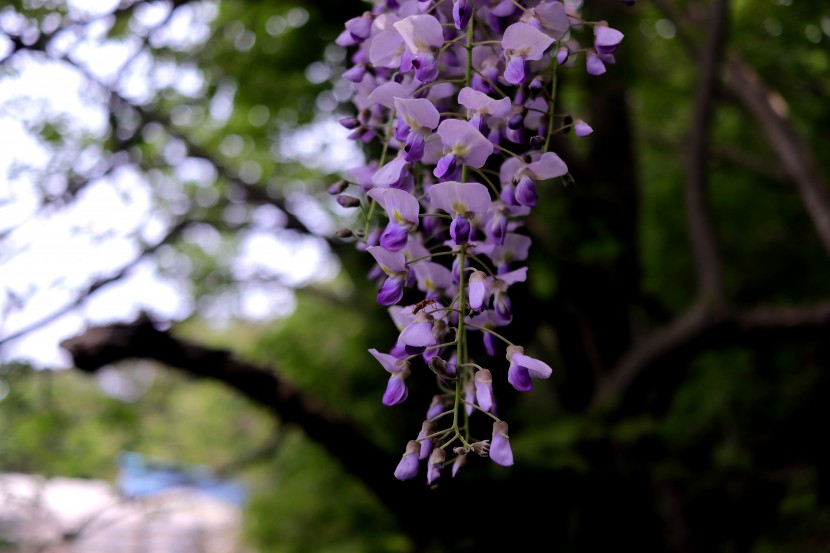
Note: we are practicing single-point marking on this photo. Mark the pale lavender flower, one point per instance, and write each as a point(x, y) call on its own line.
point(484, 389)
point(523, 367)
point(408, 466)
point(420, 118)
point(521, 43)
point(500, 451)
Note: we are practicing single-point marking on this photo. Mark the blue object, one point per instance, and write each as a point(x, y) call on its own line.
point(140, 477)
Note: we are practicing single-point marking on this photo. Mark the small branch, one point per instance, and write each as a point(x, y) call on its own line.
point(97, 284)
point(698, 329)
point(701, 231)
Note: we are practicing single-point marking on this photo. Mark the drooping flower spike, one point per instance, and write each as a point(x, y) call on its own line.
point(460, 99)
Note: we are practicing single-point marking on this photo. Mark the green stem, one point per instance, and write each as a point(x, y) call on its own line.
point(552, 105)
point(493, 332)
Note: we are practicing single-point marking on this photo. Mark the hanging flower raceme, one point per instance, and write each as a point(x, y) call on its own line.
point(456, 92)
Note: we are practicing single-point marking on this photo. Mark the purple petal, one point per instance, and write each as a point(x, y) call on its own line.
point(419, 333)
point(420, 32)
point(387, 93)
point(388, 361)
point(515, 71)
point(606, 39)
point(425, 446)
point(396, 391)
point(394, 237)
point(418, 113)
point(534, 367)
point(479, 291)
point(526, 41)
point(401, 207)
point(390, 262)
point(436, 462)
point(391, 291)
point(390, 173)
point(447, 167)
point(549, 166)
point(359, 27)
point(581, 128)
point(426, 70)
point(386, 49)
point(460, 230)
point(408, 466)
point(459, 198)
point(436, 407)
point(500, 451)
point(553, 18)
point(465, 142)
point(414, 148)
point(593, 64)
point(526, 192)
point(479, 102)
point(519, 378)
point(484, 389)
point(462, 11)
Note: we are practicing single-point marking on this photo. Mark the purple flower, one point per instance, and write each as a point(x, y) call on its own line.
point(386, 49)
point(593, 65)
point(435, 464)
point(465, 201)
point(462, 143)
point(523, 367)
point(479, 291)
point(393, 263)
point(462, 11)
point(484, 389)
point(549, 17)
point(418, 333)
point(402, 209)
point(606, 39)
point(408, 466)
point(500, 451)
point(425, 447)
point(581, 128)
point(479, 104)
point(436, 407)
point(396, 391)
point(423, 36)
point(522, 42)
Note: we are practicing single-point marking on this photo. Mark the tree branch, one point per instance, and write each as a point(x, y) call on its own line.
point(699, 328)
point(99, 346)
point(701, 231)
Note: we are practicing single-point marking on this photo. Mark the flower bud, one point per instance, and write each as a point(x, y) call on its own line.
point(435, 464)
point(347, 201)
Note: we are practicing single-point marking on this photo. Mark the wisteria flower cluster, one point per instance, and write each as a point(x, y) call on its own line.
point(461, 95)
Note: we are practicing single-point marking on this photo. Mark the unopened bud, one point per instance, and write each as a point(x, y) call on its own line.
point(568, 181)
point(337, 187)
point(348, 201)
point(537, 142)
point(535, 87)
point(350, 123)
